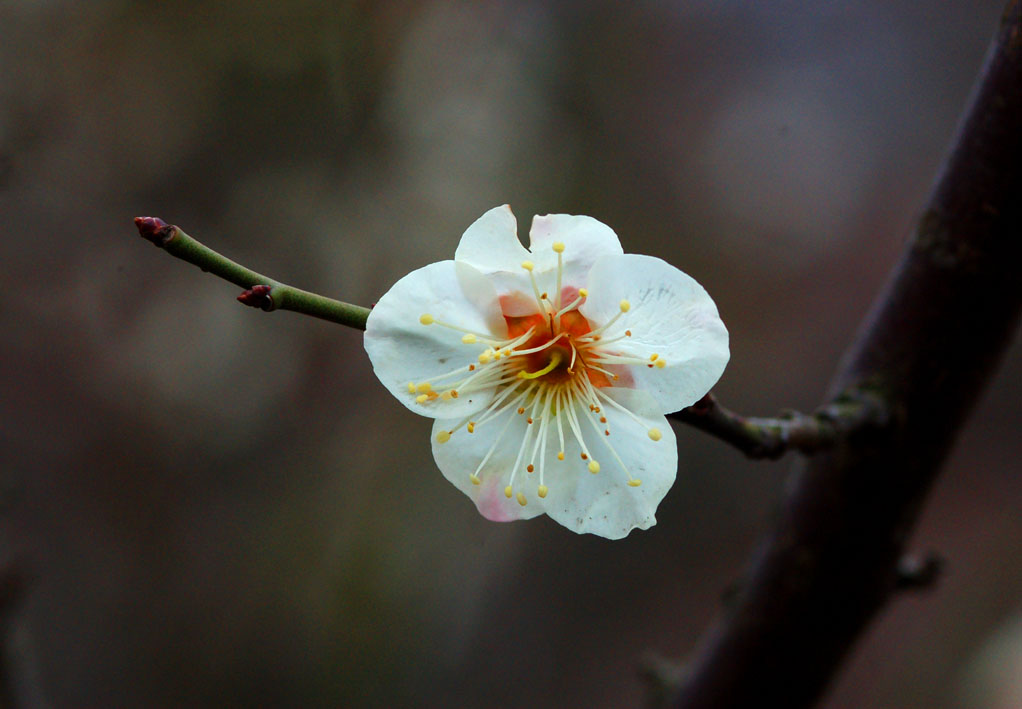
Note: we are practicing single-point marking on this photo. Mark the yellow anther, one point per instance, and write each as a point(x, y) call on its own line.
point(485, 357)
point(594, 467)
point(542, 491)
point(426, 319)
point(652, 357)
point(528, 265)
point(560, 456)
point(660, 364)
point(475, 479)
point(555, 359)
point(654, 433)
point(469, 339)
point(625, 306)
point(508, 492)
point(559, 247)
point(443, 436)
point(583, 292)
point(424, 388)
point(411, 387)
point(422, 398)
point(507, 352)
point(471, 427)
point(521, 499)
point(447, 395)
point(634, 482)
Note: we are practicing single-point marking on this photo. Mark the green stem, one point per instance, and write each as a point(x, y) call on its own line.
point(263, 292)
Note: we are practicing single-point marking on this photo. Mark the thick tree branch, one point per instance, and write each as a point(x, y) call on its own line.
point(261, 292)
point(931, 343)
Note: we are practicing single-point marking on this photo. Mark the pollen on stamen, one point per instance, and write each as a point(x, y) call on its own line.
point(528, 420)
point(422, 398)
point(559, 247)
point(660, 364)
point(424, 388)
point(628, 333)
point(469, 339)
point(411, 387)
point(474, 479)
point(426, 319)
point(443, 436)
point(606, 432)
point(583, 292)
point(508, 492)
point(625, 306)
point(542, 490)
point(521, 499)
point(560, 455)
point(530, 467)
point(521, 410)
point(634, 482)
point(543, 296)
point(471, 368)
point(594, 467)
point(603, 419)
point(654, 434)
point(652, 357)
point(528, 265)
point(584, 456)
point(471, 428)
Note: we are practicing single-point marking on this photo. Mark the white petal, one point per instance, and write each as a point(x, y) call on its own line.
point(585, 240)
point(601, 503)
point(670, 315)
point(491, 246)
point(404, 351)
point(491, 243)
point(604, 503)
point(459, 458)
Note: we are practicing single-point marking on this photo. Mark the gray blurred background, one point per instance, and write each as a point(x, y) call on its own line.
point(216, 506)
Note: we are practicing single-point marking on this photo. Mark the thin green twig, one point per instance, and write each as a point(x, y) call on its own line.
point(261, 291)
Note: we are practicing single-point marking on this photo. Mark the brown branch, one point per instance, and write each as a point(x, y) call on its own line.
point(931, 343)
point(773, 437)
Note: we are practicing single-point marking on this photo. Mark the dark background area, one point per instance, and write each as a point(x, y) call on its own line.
point(214, 506)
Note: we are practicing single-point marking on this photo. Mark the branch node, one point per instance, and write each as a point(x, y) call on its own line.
point(917, 573)
point(260, 296)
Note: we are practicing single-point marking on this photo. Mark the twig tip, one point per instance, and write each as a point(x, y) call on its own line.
point(155, 230)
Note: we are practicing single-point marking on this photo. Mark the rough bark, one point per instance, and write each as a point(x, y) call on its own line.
point(930, 344)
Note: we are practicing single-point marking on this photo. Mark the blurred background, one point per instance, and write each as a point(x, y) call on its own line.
point(212, 505)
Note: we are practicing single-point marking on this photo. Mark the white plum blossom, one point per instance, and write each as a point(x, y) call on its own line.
point(548, 370)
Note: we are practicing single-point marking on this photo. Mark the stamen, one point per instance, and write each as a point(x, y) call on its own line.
point(443, 436)
point(594, 467)
point(559, 248)
point(521, 499)
point(654, 434)
point(508, 492)
point(542, 490)
point(426, 319)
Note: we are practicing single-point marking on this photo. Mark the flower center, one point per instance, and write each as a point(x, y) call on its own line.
point(549, 370)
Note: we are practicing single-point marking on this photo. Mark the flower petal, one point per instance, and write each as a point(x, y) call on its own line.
point(585, 240)
point(670, 316)
point(491, 246)
point(405, 351)
point(460, 457)
point(601, 503)
point(604, 503)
